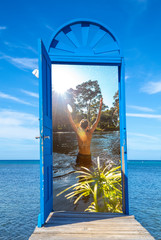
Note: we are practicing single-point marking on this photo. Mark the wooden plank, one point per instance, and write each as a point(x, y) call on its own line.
point(86, 226)
point(88, 237)
point(91, 229)
point(86, 231)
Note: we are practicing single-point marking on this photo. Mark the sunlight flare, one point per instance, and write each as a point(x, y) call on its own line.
point(69, 108)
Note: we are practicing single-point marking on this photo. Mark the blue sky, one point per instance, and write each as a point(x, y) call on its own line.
point(137, 25)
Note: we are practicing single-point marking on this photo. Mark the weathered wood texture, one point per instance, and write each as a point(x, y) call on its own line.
point(86, 226)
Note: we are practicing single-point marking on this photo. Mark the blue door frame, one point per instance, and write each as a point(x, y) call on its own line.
point(122, 112)
point(66, 48)
point(46, 151)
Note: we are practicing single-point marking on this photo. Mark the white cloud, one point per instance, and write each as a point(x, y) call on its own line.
point(152, 87)
point(32, 94)
point(49, 27)
point(22, 117)
point(21, 46)
point(18, 133)
point(143, 142)
point(149, 137)
point(3, 27)
point(22, 63)
point(10, 97)
point(31, 49)
point(18, 125)
point(142, 115)
point(143, 145)
point(139, 108)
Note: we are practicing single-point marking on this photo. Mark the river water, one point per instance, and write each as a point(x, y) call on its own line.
point(103, 144)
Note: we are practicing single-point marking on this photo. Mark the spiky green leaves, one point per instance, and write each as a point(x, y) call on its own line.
point(102, 184)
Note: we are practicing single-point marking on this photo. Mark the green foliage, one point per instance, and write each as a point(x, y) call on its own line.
point(116, 104)
point(103, 185)
point(85, 101)
point(88, 95)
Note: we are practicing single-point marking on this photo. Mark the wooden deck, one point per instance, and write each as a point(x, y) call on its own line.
point(86, 226)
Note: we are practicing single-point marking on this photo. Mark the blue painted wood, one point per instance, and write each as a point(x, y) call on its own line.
point(123, 137)
point(96, 60)
point(79, 42)
point(73, 39)
point(85, 32)
point(87, 38)
point(109, 48)
point(64, 43)
point(93, 43)
point(99, 34)
point(45, 112)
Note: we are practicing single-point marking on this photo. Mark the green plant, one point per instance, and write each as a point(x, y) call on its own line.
point(102, 184)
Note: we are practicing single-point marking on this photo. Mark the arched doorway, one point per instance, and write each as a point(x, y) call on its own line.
point(78, 42)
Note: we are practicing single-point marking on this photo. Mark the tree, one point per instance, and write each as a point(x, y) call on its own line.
point(85, 101)
point(88, 95)
point(106, 120)
point(116, 108)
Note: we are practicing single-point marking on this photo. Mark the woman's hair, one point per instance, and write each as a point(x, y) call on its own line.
point(84, 123)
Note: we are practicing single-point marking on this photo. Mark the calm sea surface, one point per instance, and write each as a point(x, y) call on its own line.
point(19, 187)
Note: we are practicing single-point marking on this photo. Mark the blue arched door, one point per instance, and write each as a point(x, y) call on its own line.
point(78, 42)
point(46, 160)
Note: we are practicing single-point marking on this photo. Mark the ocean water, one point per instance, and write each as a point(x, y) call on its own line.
point(19, 197)
point(145, 194)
